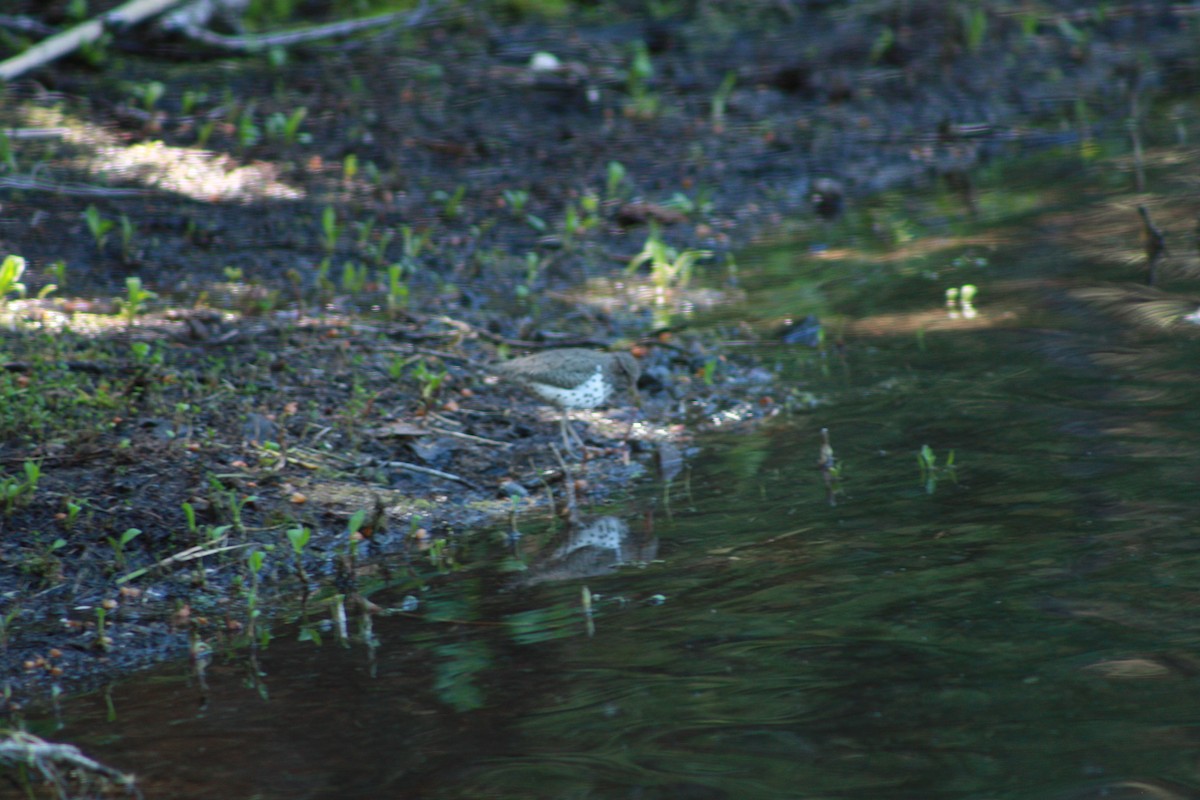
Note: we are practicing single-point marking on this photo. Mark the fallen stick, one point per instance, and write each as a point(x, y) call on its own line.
point(255, 43)
point(68, 41)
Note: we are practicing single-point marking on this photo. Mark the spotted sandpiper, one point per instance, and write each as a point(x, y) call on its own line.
point(573, 378)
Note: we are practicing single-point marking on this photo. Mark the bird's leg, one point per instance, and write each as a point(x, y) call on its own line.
point(569, 434)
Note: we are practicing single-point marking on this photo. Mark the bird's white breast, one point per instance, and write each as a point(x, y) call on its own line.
point(589, 394)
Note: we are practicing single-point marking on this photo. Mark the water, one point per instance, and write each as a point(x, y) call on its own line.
point(1022, 627)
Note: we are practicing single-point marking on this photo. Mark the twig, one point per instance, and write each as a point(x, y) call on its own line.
point(76, 189)
point(261, 42)
point(470, 437)
point(36, 133)
point(68, 41)
point(437, 473)
point(26, 24)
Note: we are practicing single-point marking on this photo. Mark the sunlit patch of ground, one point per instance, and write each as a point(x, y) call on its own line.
point(191, 172)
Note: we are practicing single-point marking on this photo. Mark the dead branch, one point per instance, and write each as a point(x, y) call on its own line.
point(124, 16)
point(249, 43)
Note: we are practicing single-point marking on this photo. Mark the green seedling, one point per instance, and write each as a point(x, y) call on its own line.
point(103, 640)
point(6, 623)
point(248, 133)
point(615, 178)
point(292, 127)
point(397, 290)
point(430, 381)
point(97, 226)
point(451, 203)
point(288, 128)
point(721, 98)
point(516, 200)
point(298, 538)
point(150, 93)
point(204, 132)
point(135, 299)
point(118, 545)
point(127, 233)
point(354, 277)
point(533, 268)
point(702, 204)
point(414, 243)
point(932, 472)
point(73, 510)
point(349, 167)
point(17, 490)
point(331, 231)
point(11, 271)
point(975, 22)
point(883, 42)
point(643, 103)
point(669, 268)
point(190, 99)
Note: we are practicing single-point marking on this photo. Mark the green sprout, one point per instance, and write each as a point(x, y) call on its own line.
point(615, 177)
point(451, 203)
point(721, 98)
point(135, 299)
point(668, 267)
point(97, 226)
point(331, 231)
point(118, 545)
point(11, 271)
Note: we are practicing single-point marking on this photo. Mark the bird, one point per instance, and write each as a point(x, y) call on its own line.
point(571, 378)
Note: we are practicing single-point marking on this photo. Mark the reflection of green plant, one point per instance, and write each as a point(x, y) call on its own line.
point(931, 473)
point(10, 277)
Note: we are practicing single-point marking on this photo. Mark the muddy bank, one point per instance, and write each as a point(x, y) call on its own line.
point(339, 239)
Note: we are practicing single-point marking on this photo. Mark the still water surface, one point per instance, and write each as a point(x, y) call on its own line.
point(1025, 628)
